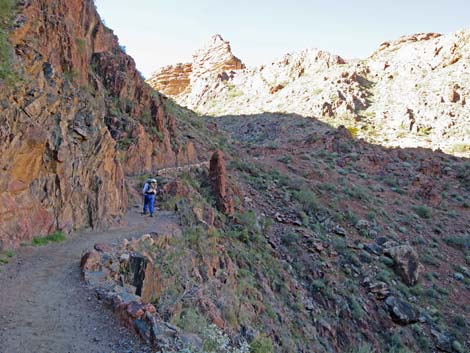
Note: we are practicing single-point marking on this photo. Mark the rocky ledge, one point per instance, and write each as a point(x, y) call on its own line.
point(123, 278)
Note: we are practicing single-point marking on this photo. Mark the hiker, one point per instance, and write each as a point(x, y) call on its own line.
point(149, 192)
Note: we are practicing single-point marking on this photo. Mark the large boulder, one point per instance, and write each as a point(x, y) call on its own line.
point(406, 263)
point(400, 311)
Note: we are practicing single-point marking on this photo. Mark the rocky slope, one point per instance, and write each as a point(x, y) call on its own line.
point(340, 245)
point(300, 238)
point(75, 117)
point(410, 92)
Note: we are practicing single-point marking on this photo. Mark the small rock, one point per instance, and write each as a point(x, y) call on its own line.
point(373, 248)
point(340, 230)
point(249, 333)
point(381, 240)
point(192, 340)
point(135, 309)
point(150, 308)
point(362, 224)
point(379, 289)
point(458, 276)
point(443, 340)
point(143, 330)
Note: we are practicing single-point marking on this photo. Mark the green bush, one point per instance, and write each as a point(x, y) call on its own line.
point(363, 348)
point(422, 211)
point(55, 237)
point(5, 256)
point(191, 320)
point(261, 345)
point(461, 243)
point(7, 10)
point(307, 199)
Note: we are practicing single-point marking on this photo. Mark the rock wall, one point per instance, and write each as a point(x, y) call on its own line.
point(77, 120)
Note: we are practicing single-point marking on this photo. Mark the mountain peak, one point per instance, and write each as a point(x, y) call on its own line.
point(214, 57)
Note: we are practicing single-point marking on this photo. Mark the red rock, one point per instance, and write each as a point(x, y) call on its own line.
point(135, 309)
point(176, 188)
point(91, 261)
point(150, 308)
point(218, 176)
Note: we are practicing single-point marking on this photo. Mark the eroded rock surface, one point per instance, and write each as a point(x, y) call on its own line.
point(218, 176)
point(215, 58)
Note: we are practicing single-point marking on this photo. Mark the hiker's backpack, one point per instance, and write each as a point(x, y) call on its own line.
point(152, 189)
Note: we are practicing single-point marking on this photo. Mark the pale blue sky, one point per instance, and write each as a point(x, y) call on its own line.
point(162, 32)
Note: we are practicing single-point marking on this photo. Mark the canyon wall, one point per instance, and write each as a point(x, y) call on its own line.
point(76, 119)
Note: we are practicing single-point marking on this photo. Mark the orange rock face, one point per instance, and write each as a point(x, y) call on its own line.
point(80, 118)
point(171, 80)
point(218, 176)
point(214, 58)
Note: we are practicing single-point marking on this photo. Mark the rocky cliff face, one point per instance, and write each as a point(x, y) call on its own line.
point(214, 58)
point(410, 92)
point(78, 118)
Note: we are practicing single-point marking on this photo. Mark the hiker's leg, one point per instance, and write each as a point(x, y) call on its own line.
point(146, 203)
point(151, 204)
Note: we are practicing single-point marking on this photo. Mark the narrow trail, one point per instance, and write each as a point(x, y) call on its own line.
point(45, 308)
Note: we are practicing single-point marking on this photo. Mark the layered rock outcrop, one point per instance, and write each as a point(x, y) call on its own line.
point(77, 120)
point(213, 59)
point(171, 80)
point(218, 176)
point(410, 92)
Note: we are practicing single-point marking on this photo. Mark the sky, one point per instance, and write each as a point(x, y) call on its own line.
point(157, 33)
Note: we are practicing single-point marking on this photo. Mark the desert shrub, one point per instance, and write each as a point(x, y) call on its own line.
point(307, 199)
point(81, 44)
point(317, 285)
point(356, 311)
point(261, 344)
point(124, 143)
point(422, 211)
point(285, 159)
point(362, 348)
point(357, 192)
point(7, 11)
point(304, 218)
point(191, 320)
point(55, 237)
point(5, 256)
point(463, 175)
point(289, 239)
point(458, 242)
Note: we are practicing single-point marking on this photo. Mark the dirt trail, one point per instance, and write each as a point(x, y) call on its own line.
point(44, 307)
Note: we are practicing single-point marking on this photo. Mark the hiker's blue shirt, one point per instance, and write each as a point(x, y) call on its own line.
point(146, 187)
